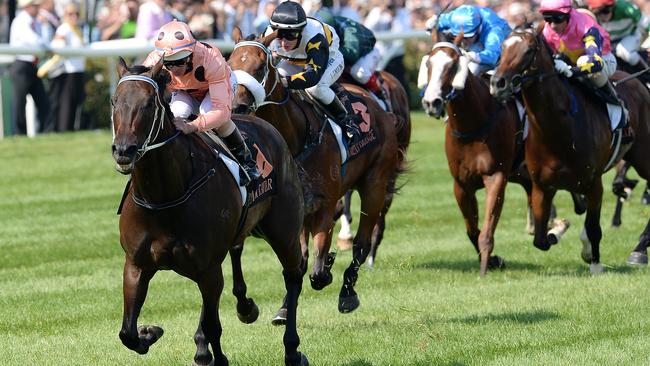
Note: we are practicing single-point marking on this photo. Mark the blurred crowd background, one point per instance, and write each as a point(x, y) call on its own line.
point(102, 20)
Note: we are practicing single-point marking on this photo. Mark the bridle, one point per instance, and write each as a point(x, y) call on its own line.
point(158, 118)
point(520, 79)
point(256, 88)
point(453, 93)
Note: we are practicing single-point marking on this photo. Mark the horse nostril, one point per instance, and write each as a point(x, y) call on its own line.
point(437, 103)
point(501, 83)
point(124, 151)
point(131, 150)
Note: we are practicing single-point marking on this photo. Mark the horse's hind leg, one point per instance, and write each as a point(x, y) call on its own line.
point(592, 233)
point(247, 310)
point(541, 202)
point(135, 286)
point(209, 329)
point(619, 190)
point(344, 238)
point(639, 255)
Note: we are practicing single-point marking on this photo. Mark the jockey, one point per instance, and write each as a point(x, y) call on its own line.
point(483, 32)
point(201, 88)
point(309, 59)
point(358, 48)
point(583, 41)
point(623, 20)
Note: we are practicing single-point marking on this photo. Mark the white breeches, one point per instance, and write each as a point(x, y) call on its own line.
point(363, 69)
point(627, 48)
point(477, 69)
point(321, 90)
point(609, 68)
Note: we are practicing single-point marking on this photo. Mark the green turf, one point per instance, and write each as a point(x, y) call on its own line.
point(422, 304)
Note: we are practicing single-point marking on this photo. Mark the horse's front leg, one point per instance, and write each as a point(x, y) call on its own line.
point(592, 233)
point(247, 310)
point(135, 286)
point(321, 274)
point(495, 186)
point(541, 203)
point(209, 329)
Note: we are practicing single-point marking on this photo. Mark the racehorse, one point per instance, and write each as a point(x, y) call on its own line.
point(317, 152)
point(399, 105)
point(183, 211)
point(482, 140)
point(568, 145)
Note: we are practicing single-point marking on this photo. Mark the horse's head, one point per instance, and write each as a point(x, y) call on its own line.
point(138, 113)
point(252, 63)
point(521, 59)
point(442, 72)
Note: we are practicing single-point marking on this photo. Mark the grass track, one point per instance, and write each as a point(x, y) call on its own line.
point(423, 304)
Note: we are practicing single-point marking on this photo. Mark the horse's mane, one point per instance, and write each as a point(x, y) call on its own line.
point(162, 78)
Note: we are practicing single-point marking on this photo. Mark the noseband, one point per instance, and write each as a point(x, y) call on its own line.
point(453, 93)
point(257, 89)
point(159, 117)
point(527, 76)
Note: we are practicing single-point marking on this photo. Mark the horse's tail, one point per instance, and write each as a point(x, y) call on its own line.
point(403, 129)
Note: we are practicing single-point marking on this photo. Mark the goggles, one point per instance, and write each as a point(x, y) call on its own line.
point(555, 17)
point(288, 34)
point(176, 63)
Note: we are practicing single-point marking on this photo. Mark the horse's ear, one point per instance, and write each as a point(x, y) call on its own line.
point(268, 39)
point(434, 36)
point(236, 34)
point(121, 67)
point(155, 70)
point(540, 28)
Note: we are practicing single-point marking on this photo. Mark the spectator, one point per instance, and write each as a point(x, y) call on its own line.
point(26, 32)
point(263, 19)
point(152, 15)
point(67, 90)
point(48, 18)
point(179, 10)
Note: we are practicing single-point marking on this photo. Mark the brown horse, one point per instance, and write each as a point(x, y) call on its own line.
point(183, 211)
point(317, 151)
point(399, 104)
point(482, 140)
point(568, 146)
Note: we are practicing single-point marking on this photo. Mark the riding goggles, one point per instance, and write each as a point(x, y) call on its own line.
point(176, 63)
point(288, 34)
point(555, 17)
point(604, 10)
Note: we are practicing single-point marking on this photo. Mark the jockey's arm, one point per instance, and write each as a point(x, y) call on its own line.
point(593, 50)
point(152, 58)
point(492, 48)
point(317, 50)
point(220, 98)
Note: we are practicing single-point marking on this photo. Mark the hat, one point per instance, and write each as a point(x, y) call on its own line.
point(25, 3)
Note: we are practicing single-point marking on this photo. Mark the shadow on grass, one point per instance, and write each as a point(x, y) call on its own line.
point(358, 363)
point(473, 266)
point(529, 317)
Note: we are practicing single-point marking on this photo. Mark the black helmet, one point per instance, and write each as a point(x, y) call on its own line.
point(288, 15)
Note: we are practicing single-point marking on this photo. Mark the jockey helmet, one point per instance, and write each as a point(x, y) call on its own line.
point(555, 6)
point(175, 41)
point(597, 4)
point(288, 15)
point(466, 19)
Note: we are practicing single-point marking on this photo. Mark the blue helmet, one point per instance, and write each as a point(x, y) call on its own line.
point(465, 18)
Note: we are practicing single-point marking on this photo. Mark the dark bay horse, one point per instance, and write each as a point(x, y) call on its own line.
point(482, 140)
point(399, 103)
point(183, 211)
point(315, 148)
point(568, 146)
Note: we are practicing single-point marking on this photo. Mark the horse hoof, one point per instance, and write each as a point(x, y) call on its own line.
point(543, 246)
point(496, 262)
point(280, 317)
point(637, 259)
point(148, 335)
point(348, 304)
point(199, 364)
point(302, 362)
point(318, 283)
point(596, 269)
point(370, 262)
point(552, 239)
point(344, 243)
point(252, 315)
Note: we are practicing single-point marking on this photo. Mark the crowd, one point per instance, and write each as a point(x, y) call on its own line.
point(61, 23)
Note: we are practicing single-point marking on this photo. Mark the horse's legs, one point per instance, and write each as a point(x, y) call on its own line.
point(645, 198)
point(618, 188)
point(372, 195)
point(135, 285)
point(321, 228)
point(344, 238)
point(592, 227)
point(247, 310)
point(469, 208)
point(541, 203)
point(280, 317)
point(639, 255)
point(495, 186)
point(209, 329)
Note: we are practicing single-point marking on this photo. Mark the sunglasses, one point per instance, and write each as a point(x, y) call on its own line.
point(288, 35)
point(175, 63)
point(555, 17)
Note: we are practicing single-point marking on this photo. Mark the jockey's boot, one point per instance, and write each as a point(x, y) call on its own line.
point(238, 148)
point(345, 120)
point(610, 94)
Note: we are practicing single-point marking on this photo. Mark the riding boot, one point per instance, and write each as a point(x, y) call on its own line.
point(346, 121)
point(238, 148)
point(610, 94)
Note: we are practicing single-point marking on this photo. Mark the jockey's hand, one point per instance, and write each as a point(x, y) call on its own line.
point(473, 56)
point(563, 68)
point(183, 125)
